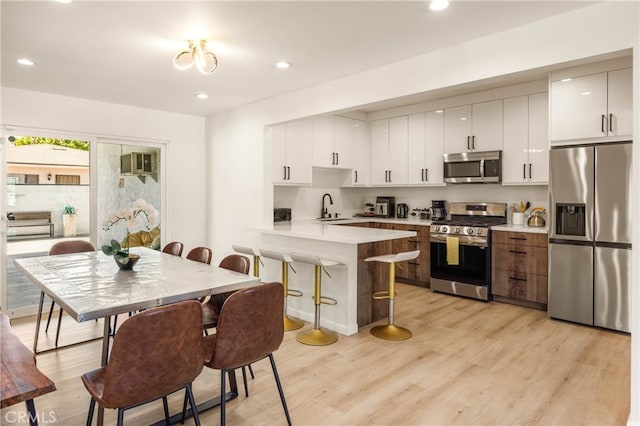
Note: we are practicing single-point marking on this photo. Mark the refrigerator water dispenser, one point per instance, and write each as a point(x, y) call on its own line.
point(570, 219)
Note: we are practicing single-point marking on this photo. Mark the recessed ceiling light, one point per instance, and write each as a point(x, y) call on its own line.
point(439, 4)
point(283, 65)
point(63, 1)
point(202, 96)
point(439, 111)
point(586, 93)
point(564, 80)
point(25, 61)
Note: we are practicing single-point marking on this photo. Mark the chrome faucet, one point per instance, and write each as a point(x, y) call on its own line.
point(324, 212)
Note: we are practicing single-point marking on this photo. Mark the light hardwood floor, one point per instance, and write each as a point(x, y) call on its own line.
point(468, 363)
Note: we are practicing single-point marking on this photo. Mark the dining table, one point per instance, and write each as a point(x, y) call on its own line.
point(91, 285)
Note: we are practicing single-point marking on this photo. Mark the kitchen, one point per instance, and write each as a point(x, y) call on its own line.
point(351, 192)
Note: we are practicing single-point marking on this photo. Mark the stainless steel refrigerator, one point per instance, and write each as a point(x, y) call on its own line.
point(590, 234)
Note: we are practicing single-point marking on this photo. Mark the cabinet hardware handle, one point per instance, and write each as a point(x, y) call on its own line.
point(337, 158)
point(529, 170)
point(426, 175)
point(355, 174)
point(473, 142)
point(517, 279)
point(386, 176)
point(524, 171)
point(517, 252)
point(413, 263)
point(284, 169)
point(518, 238)
point(602, 119)
point(389, 176)
point(468, 140)
point(611, 123)
point(333, 158)
point(422, 175)
point(288, 173)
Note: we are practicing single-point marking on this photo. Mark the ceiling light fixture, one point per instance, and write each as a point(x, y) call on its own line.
point(202, 96)
point(205, 60)
point(283, 65)
point(439, 4)
point(25, 61)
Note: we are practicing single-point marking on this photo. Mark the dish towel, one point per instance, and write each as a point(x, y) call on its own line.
point(452, 250)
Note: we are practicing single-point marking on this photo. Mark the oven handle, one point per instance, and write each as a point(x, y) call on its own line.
point(462, 240)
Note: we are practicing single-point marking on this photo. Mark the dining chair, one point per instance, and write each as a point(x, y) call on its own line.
point(174, 248)
point(250, 328)
point(66, 247)
point(145, 366)
point(200, 254)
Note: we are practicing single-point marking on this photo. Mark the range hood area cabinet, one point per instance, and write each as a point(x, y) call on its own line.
point(592, 106)
point(525, 156)
point(426, 147)
point(476, 127)
point(138, 163)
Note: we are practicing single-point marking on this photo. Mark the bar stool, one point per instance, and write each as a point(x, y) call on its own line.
point(289, 323)
point(256, 257)
point(391, 331)
point(317, 336)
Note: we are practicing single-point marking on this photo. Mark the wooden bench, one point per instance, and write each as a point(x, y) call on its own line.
point(20, 378)
point(36, 220)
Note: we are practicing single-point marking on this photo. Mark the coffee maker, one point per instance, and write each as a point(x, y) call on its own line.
point(385, 206)
point(438, 210)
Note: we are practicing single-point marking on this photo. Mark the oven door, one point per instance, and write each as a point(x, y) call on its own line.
point(471, 276)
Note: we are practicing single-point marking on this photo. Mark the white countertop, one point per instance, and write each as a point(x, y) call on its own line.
point(521, 228)
point(333, 232)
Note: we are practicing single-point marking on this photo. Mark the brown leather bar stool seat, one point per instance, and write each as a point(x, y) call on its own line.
point(174, 248)
point(66, 247)
point(317, 336)
point(145, 366)
point(391, 331)
point(286, 260)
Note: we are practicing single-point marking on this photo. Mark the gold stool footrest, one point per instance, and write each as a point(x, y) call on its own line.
point(328, 301)
point(379, 295)
point(294, 293)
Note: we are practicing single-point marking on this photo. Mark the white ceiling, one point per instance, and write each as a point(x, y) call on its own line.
point(121, 52)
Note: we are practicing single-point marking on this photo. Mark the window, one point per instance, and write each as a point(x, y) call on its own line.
point(67, 179)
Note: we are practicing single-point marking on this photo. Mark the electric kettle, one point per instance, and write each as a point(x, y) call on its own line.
point(402, 211)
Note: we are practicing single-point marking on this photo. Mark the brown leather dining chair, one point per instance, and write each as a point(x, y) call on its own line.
point(250, 328)
point(174, 248)
point(155, 353)
point(66, 247)
point(200, 254)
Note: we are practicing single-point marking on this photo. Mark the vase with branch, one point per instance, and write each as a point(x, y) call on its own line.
point(139, 213)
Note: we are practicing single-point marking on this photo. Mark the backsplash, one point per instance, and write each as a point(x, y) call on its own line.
point(306, 202)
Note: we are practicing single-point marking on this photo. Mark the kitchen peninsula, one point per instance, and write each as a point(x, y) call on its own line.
point(350, 284)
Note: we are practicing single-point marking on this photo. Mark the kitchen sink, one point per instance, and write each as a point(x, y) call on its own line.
point(331, 219)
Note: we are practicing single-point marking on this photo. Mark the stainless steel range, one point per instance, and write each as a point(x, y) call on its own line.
point(461, 249)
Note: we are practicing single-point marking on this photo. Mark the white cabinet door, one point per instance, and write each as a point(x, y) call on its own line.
point(398, 145)
point(343, 142)
point(417, 149)
point(486, 126)
point(361, 139)
point(457, 129)
point(277, 135)
point(299, 151)
point(538, 138)
point(620, 103)
point(323, 135)
point(379, 152)
point(515, 157)
point(433, 173)
point(578, 107)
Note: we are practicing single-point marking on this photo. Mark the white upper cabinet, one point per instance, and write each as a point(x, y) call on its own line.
point(592, 106)
point(359, 176)
point(476, 127)
point(425, 148)
point(389, 151)
point(291, 144)
point(333, 142)
point(525, 154)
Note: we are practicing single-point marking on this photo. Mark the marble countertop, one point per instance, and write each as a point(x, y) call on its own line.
point(333, 232)
point(521, 228)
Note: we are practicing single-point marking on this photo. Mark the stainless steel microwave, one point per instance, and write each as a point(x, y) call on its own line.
point(473, 167)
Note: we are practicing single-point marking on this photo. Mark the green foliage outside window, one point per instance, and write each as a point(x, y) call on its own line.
point(67, 143)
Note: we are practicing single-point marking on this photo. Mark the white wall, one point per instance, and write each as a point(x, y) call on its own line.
point(241, 198)
point(185, 206)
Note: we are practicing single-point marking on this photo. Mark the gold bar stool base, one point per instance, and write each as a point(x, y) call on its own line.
point(292, 324)
point(391, 332)
point(317, 337)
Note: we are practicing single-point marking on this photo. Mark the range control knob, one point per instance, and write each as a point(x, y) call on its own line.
point(444, 229)
point(470, 231)
point(457, 230)
point(480, 231)
point(436, 228)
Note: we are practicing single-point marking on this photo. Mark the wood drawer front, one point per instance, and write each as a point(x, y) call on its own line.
point(519, 259)
point(518, 286)
point(521, 238)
